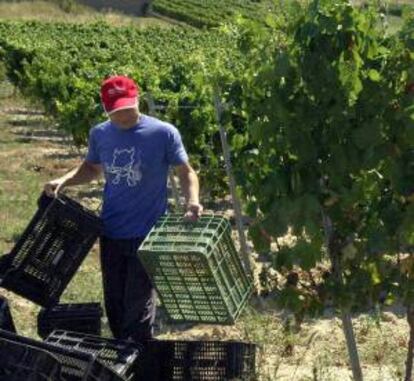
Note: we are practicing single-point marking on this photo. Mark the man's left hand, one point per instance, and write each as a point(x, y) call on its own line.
point(194, 211)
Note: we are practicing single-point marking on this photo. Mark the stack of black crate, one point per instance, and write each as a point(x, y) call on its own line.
point(78, 317)
point(39, 268)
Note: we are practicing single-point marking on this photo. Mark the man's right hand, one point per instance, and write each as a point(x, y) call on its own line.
point(82, 174)
point(52, 188)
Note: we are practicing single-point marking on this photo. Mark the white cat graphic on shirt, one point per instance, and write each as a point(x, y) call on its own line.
point(125, 164)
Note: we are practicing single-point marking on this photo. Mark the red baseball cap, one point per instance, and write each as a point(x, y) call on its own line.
point(119, 93)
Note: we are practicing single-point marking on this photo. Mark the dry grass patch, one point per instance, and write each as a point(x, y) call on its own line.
point(50, 12)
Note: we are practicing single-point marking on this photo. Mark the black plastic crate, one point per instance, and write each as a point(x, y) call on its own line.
point(6, 320)
point(169, 360)
point(51, 249)
point(5, 261)
point(76, 365)
point(20, 362)
point(77, 317)
point(123, 357)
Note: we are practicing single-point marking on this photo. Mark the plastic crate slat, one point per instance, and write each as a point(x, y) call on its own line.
point(171, 292)
point(65, 310)
point(79, 317)
point(75, 364)
point(23, 362)
point(186, 287)
point(120, 356)
point(225, 277)
point(238, 267)
point(210, 301)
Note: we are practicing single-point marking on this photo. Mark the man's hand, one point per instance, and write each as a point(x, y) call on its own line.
point(190, 188)
point(194, 211)
point(52, 188)
point(83, 174)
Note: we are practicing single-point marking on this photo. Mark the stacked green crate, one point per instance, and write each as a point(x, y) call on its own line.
point(196, 269)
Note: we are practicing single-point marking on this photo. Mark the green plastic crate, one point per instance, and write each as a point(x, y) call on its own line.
point(196, 269)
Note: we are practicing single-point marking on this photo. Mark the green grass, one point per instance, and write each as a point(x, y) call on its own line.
point(18, 193)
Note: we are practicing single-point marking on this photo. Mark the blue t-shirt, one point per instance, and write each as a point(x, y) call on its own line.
point(136, 163)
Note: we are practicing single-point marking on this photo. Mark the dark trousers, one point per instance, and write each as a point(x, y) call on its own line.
point(128, 292)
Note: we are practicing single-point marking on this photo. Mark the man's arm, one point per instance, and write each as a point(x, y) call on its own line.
point(83, 174)
point(190, 188)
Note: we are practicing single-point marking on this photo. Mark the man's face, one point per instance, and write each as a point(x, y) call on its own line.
point(126, 118)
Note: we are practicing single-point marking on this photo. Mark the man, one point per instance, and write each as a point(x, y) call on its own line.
point(134, 152)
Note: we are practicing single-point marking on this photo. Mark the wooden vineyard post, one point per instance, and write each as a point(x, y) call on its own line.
point(232, 184)
point(345, 313)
